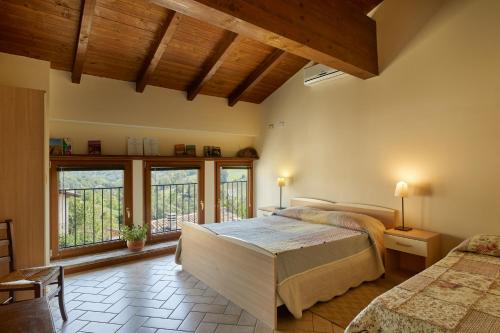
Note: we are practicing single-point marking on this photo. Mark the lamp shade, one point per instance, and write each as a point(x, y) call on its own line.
point(281, 181)
point(401, 189)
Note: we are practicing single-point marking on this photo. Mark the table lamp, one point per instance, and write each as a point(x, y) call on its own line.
point(402, 192)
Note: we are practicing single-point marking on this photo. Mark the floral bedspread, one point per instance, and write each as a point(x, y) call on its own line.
point(460, 293)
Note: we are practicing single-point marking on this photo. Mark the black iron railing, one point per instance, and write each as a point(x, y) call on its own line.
point(233, 200)
point(90, 216)
point(172, 205)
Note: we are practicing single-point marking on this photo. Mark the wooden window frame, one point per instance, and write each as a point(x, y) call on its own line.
point(234, 163)
point(172, 163)
point(57, 253)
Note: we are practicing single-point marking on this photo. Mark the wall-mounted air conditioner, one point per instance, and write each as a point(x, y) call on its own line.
point(317, 73)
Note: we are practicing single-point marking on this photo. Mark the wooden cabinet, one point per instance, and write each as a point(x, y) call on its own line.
point(22, 144)
point(409, 252)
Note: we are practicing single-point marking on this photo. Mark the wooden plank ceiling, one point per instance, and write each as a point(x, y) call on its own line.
point(142, 42)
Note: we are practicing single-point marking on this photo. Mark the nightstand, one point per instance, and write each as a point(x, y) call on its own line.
point(409, 252)
point(267, 211)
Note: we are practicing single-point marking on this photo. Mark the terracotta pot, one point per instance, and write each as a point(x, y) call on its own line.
point(136, 245)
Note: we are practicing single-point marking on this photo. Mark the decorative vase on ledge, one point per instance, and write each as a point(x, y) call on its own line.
point(136, 245)
point(135, 236)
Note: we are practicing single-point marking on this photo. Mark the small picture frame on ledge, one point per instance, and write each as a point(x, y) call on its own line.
point(212, 151)
point(207, 151)
point(94, 147)
point(216, 152)
point(180, 150)
point(67, 150)
point(190, 150)
point(134, 146)
point(56, 146)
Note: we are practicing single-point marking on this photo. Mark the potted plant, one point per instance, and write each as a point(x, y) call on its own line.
point(135, 236)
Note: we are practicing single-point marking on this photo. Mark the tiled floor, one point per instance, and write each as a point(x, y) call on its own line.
point(157, 296)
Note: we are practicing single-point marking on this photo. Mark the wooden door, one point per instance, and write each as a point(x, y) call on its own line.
point(22, 144)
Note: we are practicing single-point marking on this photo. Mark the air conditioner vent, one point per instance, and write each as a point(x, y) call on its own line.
point(317, 73)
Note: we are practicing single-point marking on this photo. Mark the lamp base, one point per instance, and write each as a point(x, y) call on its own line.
point(403, 228)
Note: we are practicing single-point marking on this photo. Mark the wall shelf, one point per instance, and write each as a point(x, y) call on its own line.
point(143, 157)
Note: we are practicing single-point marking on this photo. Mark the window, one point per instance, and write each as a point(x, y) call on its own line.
point(90, 204)
point(174, 196)
point(233, 191)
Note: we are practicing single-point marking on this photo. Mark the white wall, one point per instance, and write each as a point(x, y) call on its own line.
point(111, 111)
point(17, 71)
point(432, 118)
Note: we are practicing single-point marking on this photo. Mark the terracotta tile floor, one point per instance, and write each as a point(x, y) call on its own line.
point(157, 296)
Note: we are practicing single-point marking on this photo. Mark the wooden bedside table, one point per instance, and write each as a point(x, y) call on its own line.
point(267, 211)
point(409, 252)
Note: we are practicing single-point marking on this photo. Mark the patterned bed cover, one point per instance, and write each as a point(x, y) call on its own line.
point(460, 293)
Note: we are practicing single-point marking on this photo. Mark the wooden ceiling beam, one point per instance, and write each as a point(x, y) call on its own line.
point(82, 42)
point(256, 76)
point(213, 63)
point(164, 37)
point(366, 6)
point(334, 32)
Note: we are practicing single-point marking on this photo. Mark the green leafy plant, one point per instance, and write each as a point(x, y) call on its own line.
point(134, 233)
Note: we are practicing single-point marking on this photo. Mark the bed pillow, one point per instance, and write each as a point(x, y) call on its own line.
point(482, 244)
point(347, 220)
point(298, 212)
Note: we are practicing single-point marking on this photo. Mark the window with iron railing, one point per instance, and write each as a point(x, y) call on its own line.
point(174, 197)
point(90, 206)
point(234, 196)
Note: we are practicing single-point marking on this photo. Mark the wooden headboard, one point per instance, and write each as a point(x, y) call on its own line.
point(385, 215)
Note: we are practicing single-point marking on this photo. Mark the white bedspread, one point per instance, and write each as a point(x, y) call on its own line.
point(311, 245)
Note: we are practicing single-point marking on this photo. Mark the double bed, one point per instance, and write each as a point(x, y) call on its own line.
point(311, 252)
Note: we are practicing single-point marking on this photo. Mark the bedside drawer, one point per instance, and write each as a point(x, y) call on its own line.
point(406, 245)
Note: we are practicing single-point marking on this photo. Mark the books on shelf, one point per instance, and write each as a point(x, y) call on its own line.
point(179, 149)
point(94, 147)
point(143, 146)
point(191, 150)
point(134, 146)
point(56, 146)
point(184, 150)
point(151, 146)
point(59, 146)
point(212, 151)
point(67, 150)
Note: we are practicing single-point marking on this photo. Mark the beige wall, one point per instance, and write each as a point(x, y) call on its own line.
point(432, 118)
point(111, 111)
point(16, 71)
